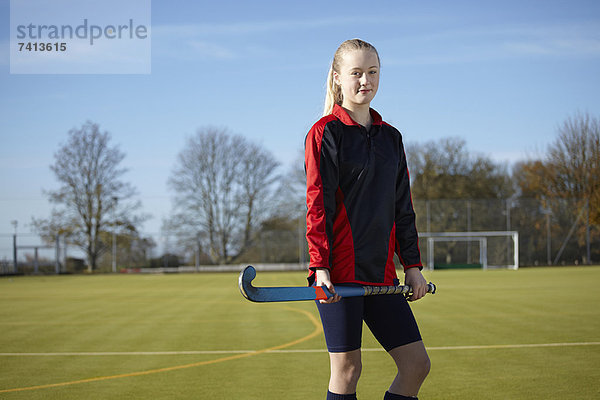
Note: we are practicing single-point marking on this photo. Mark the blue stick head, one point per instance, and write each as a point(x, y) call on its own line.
point(245, 281)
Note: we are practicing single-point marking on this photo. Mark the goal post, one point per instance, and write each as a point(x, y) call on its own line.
point(510, 258)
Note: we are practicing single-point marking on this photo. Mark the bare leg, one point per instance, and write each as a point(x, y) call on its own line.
point(413, 366)
point(345, 371)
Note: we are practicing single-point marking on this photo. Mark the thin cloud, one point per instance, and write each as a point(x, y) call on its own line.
point(495, 43)
point(245, 28)
point(558, 47)
point(281, 25)
point(211, 50)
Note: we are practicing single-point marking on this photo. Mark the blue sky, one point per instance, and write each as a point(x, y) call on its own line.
point(501, 75)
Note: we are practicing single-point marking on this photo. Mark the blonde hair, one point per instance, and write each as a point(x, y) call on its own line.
point(333, 94)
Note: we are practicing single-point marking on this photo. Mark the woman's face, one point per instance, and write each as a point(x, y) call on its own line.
point(358, 77)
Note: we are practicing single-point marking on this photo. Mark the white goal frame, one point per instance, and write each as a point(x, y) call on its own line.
point(480, 237)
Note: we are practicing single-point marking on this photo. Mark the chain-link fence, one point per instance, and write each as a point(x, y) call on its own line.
point(550, 232)
point(554, 232)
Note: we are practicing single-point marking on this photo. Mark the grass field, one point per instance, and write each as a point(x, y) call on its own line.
point(526, 334)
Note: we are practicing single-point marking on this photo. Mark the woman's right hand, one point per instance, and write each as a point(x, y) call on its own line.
point(323, 279)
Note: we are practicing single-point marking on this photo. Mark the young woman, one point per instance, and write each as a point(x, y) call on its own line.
point(359, 214)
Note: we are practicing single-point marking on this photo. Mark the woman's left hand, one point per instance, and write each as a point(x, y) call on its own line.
point(415, 279)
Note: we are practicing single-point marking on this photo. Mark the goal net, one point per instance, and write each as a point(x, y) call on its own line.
point(495, 249)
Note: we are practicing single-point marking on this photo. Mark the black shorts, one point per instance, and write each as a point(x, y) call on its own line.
point(389, 318)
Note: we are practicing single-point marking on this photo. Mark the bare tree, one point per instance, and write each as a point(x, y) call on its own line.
point(574, 160)
point(92, 197)
point(571, 167)
point(567, 182)
point(223, 185)
point(292, 202)
point(446, 170)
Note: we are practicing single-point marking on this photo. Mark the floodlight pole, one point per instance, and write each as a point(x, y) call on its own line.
point(15, 223)
point(36, 262)
point(57, 267)
point(548, 212)
point(197, 260)
point(15, 266)
point(588, 252)
point(469, 230)
point(114, 236)
point(114, 252)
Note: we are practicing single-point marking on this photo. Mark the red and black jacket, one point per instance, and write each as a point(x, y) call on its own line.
point(359, 205)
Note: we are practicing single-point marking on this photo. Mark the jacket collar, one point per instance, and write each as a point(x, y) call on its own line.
point(344, 117)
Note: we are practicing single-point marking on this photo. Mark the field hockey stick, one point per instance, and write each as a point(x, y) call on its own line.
point(299, 293)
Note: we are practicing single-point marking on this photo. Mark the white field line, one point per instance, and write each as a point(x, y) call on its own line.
point(201, 352)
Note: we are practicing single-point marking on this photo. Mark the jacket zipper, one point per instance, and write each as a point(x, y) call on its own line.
point(368, 137)
point(368, 146)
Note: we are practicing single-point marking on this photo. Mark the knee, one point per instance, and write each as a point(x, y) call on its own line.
point(422, 367)
point(416, 369)
point(349, 372)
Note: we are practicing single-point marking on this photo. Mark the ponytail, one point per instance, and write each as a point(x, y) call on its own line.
point(333, 94)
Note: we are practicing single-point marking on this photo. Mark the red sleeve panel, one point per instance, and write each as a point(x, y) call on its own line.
point(321, 185)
